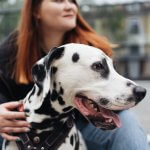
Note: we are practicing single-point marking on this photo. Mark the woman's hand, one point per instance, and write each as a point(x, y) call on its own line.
point(12, 121)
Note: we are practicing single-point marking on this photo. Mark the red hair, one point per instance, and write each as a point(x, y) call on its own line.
point(29, 50)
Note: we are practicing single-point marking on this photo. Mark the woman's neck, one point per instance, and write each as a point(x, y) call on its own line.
point(52, 39)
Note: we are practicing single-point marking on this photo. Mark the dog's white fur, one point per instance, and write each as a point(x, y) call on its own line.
point(79, 77)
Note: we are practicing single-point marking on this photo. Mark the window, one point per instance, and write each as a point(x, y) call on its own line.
point(134, 49)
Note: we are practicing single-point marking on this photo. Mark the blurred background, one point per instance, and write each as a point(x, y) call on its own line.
point(126, 23)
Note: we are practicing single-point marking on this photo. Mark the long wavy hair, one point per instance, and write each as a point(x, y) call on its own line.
point(29, 49)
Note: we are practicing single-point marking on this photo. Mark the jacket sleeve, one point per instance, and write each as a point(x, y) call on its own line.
point(6, 66)
point(9, 89)
point(12, 91)
point(6, 93)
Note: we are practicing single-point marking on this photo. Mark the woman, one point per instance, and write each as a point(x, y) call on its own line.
point(45, 24)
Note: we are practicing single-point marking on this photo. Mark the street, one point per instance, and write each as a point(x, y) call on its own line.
point(142, 110)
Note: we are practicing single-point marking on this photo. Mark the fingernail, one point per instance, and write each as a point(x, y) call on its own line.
point(29, 125)
point(18, 139)
point(21, 102)
point(27, 130)
point(26, 115)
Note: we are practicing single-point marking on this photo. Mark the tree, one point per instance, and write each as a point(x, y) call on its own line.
point(9, 15)
point(114, 24)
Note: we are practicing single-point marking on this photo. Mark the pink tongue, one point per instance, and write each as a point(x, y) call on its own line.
point(107, 114)
point(110, 115)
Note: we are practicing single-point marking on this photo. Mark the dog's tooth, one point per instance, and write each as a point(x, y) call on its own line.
point(110, 120)
point(93, 105)
point(90, 102)
point(95, 109)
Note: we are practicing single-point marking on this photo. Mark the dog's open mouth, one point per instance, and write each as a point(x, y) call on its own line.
point(97, 115)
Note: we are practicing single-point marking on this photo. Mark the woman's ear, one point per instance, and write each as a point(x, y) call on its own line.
point(36, 13)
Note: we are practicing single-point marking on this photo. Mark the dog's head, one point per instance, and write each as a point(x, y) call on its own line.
point(83, 77)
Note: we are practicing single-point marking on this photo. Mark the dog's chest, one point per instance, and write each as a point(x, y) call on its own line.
point(74, 141)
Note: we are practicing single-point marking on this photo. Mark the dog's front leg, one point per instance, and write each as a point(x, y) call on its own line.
point(9, 145)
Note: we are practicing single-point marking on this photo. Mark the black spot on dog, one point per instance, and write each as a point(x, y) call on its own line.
point(60, 100)
point(55, 85)
point(46, 107)
point(38, 72)
point(6, 144)
point(26, 110)
point(67, 108)
point(75, 57)
point(129, 84)
point(40, 89)
point(53, 70)
point(61, 91)
point(32, 92)
point(77, 142)
point(130, 99)
point(105, 71)
point(54, 95)
point(72, 140)
point(53, 112)
point(104, 101)
point(101, 67)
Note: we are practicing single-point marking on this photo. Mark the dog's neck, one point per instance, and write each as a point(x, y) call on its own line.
point(44, 112)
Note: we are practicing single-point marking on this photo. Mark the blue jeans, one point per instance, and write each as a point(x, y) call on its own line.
point(129, 137)
point(1, 140)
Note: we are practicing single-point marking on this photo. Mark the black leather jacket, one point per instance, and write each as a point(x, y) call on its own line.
point(9, 89)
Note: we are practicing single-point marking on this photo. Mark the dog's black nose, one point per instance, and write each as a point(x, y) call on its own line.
point(139, 93)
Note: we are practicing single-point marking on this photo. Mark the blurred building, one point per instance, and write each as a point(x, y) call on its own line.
point(9, 14)
point(125, 24)
point(128, 25)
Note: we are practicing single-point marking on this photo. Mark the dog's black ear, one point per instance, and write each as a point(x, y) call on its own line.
point(40, 69)
point(38, 73)
point(54, 54)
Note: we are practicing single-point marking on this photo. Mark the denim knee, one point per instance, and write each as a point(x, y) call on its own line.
point(129, 137)
point(1, 141)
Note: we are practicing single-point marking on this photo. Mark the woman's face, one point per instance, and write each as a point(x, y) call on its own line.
point(57, 15)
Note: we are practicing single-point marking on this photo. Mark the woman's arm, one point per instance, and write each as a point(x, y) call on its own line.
point(11, 121)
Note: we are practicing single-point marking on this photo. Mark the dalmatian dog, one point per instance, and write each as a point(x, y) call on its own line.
point(73, 76)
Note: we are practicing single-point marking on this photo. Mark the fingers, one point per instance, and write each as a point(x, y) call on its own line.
point(5, 111)
point(13, 115)
point(12, 105)
point(11, 121)
point(14, 130)
point(9, 137)
point(14, 123)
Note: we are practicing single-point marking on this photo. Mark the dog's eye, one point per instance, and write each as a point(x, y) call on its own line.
point(97, 66)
